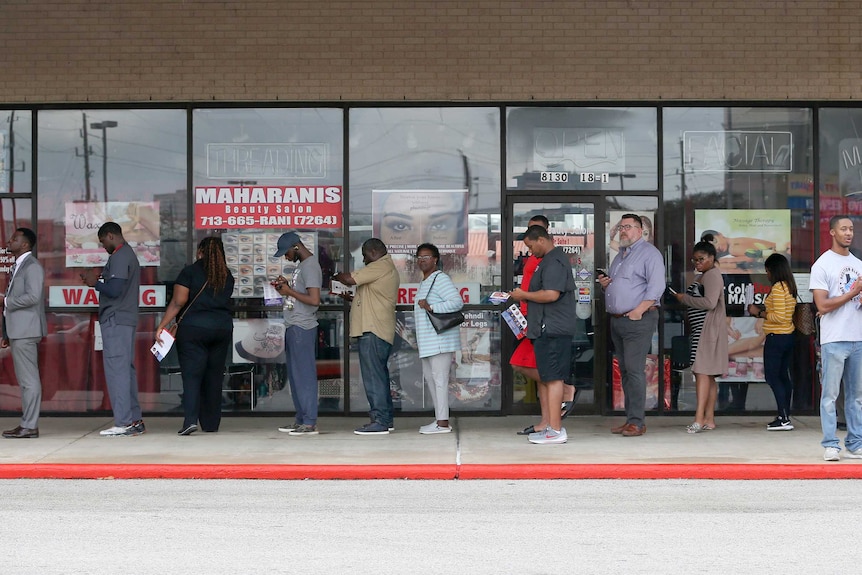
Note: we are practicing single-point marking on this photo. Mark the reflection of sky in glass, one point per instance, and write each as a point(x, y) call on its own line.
point(425, 148)
point(286, 128)
point(677, 121)
point(620, 141)
point(146, 156)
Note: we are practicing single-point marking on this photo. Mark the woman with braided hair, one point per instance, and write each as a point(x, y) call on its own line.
point(202, 303)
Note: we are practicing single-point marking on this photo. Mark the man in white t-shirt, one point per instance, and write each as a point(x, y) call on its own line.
point(836, 282)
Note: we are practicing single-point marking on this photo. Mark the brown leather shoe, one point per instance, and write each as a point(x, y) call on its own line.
point(21, 433)
point(632, 430)
point(619, 429)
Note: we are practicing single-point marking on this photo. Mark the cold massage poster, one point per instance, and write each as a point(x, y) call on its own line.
point(744, 238)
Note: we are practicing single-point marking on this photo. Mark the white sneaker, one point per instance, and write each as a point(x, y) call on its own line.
point(831, 454)
point(857, 454)
point(549, 436)
point(116, 431)
point(432, 428)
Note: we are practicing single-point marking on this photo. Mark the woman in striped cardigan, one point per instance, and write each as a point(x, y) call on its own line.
point(436, 293)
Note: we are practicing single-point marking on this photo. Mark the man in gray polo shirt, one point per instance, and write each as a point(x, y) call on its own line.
point(119, 290)
point(633, 290)
point(302, 299)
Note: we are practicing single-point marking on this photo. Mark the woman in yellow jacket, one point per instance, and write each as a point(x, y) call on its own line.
point(778, 327)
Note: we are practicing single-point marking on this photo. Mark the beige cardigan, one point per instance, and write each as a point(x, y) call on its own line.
point(711, 355)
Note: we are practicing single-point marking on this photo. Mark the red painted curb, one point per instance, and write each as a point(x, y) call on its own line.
point(437, 471)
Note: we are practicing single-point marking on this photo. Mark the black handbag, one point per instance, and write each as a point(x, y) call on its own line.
point(443, 321)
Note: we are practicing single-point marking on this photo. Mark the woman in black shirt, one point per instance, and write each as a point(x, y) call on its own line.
point(202, 300)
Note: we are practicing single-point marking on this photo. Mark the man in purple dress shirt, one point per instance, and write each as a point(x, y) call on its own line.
point(633, 290)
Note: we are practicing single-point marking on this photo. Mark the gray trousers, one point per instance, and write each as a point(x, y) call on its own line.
point(118, 357)
point(632, 340)
point(435, 372)
point(25, 356)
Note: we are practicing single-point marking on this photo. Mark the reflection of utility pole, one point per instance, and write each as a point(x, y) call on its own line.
point(86, 154)
point(11, 169)
point(104, 126)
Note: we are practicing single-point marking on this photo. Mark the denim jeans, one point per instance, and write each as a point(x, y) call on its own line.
point(841, 358)
point(777, 353)
point(373, 365)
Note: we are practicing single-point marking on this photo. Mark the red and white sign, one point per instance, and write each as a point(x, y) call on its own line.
point(83, 296)
point(469, 293)
point(236, 207)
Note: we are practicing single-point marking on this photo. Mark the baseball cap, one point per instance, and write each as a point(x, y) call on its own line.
point(285, 242)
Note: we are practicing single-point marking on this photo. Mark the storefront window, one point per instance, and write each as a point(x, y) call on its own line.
point(259, 172)
point(581, 149)
point(745, 177)
point(429, 175)
point(126, 166)
point(840, 170)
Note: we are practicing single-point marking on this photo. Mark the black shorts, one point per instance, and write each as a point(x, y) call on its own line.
point(554, 357)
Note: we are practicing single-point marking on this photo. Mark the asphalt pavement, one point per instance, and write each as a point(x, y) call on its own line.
point(478, 448)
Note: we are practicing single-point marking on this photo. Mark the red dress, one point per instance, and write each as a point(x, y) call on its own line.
point(524, 356)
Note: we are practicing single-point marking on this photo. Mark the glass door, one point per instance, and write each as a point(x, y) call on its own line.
point(572, 224)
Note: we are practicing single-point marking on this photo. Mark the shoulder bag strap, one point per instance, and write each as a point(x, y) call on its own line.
point(188, 307)
point(437, 273)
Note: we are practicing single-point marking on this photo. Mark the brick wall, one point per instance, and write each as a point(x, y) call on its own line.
point(499, 50)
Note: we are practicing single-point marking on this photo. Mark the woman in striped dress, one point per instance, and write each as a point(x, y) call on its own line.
point(709, 342)
point(778, 327)
point(437, 350)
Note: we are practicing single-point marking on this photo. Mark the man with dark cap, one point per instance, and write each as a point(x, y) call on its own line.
point(301, 301)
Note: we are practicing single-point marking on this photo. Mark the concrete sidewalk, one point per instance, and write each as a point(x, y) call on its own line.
point(480, 447)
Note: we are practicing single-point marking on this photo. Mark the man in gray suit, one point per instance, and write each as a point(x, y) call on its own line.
point(24, 327)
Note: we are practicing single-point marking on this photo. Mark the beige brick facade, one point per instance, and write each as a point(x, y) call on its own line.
point(440, 50)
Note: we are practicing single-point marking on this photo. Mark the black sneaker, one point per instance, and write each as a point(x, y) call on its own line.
point(779, 424)
point(188, 430)
point(137, 427)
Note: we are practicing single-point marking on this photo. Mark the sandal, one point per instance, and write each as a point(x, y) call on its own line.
point(567, 408)
point(527, 431)
point(694, 428)
point(708, 427)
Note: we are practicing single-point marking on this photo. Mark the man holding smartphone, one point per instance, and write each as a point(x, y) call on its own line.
point(302, 299)
point(633, 290)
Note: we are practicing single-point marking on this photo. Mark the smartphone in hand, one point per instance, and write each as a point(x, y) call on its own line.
point(601, 272)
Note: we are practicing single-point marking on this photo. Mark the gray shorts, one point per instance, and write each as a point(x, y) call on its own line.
point(554, 357)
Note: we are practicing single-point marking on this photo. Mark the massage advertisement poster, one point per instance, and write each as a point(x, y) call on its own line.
point(138, 220)
point(743, 239)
